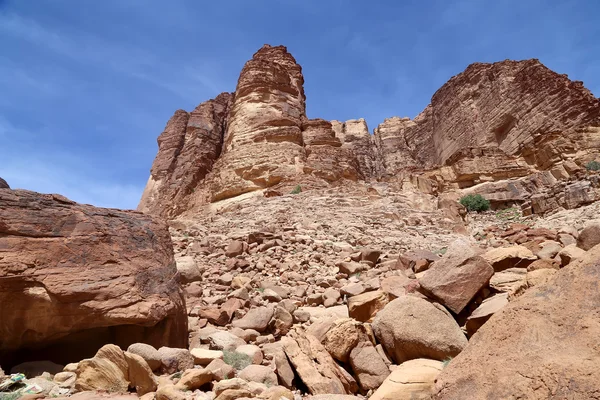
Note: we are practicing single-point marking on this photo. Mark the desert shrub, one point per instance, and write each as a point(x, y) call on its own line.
point(446, 362)
point(297, 190)
point(593, 166)
point(237, 360)
point(475, 202)
point(10, 396)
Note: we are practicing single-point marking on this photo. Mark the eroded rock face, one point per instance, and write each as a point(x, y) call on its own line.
point(263, 141)
point(541, 345)
point(76, 277)
point(3, 184)
point(511, 106)
point(187, 149)
point(513, 131)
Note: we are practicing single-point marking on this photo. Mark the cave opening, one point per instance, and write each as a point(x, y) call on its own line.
point(80, 345)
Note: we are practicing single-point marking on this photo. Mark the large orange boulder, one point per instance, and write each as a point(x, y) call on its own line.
point(75, 277)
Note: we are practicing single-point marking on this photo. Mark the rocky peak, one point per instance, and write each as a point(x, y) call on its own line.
point(3, 184)
point(491, 122)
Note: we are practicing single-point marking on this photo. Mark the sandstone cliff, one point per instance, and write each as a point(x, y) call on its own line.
point(3, 184)
point(510, 130)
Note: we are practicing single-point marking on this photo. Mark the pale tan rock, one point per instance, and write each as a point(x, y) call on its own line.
point(169, 392)
point(512, 280)
point(100, 374)
point(502, 258)
point(343, 336)
point(315, 367)
point(256, 318)
point(253, 352)
point(175, 359)
point(148, 353)
point(140, 375)
point(539, 276)
point(486, 309)
point(570, 253)
point(411, 380)
point(115, 355)
point(195, 378)
point(364, 307)
point(410, 327)
point(205, 356)
point(260, 374)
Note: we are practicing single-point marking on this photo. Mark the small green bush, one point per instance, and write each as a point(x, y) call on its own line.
point(475, 202)
point(446, 362)
point(297, 190)
point(593, 166)
point(10, 396)
point(237, 360)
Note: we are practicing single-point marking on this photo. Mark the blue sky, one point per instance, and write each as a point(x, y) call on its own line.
point(87, 86)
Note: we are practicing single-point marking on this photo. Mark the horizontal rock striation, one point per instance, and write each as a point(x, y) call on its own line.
point(492, 123)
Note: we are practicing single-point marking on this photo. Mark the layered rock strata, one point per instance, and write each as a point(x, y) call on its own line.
point(511, 130)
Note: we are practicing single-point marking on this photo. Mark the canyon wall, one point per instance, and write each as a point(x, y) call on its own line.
point(513, 122)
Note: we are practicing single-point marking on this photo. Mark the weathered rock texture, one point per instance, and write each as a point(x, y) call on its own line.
point(541, 345)
point(187, 149)
point(3, 184)
point(514, 131)
point(74, 277)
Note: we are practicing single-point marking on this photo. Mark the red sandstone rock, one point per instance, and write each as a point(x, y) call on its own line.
point(75, 277)
point(3, 184)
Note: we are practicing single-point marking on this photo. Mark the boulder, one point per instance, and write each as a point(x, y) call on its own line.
point(188, 269)
point(235, 248)
point(343, 336)
point(502, 258)
point(205, 356)
point(368, 366)
point(539, 346)
point(169, 392)
point(174, 359)
point(412, 380)
point(223, 340)
point(486, 309)
point(589, 237)
point(194, 378)
point(76, 275)
point(570, 253)
point(315, 367)
point(100, 374)
point(260, 374)
point(410, 327)
point(148, 353)
point(456, 278)
point(141, 377)
point(364, 307)
point(256, 318)
point(282, 365)
point(512, 280)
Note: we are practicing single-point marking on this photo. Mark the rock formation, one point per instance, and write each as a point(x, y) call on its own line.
point(3, 184)
point(74, 277)
point(514, 131)
point(542, 345)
